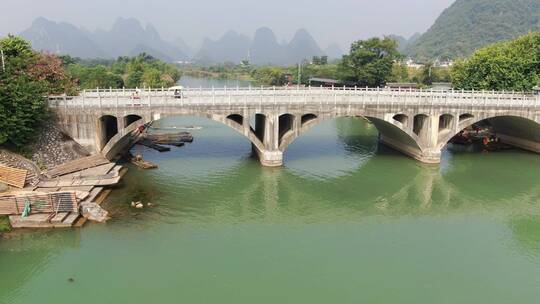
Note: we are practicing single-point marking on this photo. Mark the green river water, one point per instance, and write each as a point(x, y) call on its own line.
point(344, 221)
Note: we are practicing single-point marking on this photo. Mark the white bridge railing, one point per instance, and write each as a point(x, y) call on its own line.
point(292, 96)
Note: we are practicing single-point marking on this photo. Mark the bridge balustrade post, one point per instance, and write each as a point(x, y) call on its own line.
point(163, 99)
point(181, 98)
point(378, 96)
point(117, 99)
point(83, 95)
point(99, 96)
point(149, 95)
point(274, 94)
point(213, 95)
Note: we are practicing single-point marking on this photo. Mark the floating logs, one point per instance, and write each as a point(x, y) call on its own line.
point(170, 138)
point(160, 140)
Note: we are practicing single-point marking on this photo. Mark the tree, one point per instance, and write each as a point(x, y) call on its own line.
point(22, 103)
point(49, 69)
point(94, 77)
point(512, 65)
point(271, 76)
point(400, 73)
point(369, 62)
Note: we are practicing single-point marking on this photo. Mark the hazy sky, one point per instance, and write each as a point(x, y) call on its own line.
point(340, 21)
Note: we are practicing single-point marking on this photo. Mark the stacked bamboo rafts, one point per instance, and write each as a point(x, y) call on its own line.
point(56, 199)
point(13, 177)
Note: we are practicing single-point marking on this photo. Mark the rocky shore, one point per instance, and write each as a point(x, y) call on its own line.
point(53, 148)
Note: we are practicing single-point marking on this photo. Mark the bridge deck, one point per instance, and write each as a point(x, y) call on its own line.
point(296, 96)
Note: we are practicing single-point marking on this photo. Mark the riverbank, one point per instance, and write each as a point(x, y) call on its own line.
point(61, 184)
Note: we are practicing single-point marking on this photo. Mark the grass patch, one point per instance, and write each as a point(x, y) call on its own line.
point(4, 224)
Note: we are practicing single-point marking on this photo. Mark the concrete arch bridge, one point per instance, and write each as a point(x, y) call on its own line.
point(417, 123)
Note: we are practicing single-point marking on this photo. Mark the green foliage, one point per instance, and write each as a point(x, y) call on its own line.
point(513, 65)
point(5, 226)
point(400, 73)
point(470, 24)
point(130, 72)
point(370, 62)
point(430, 74)
point(88, 77)
point(270, 76)
point(15, 47)
point(23, 85)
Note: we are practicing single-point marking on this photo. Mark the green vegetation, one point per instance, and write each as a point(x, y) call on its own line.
point(140, 71)
point(513, 65)
point(28, 77)
point(470, 24)
point(370, 62)
point(4, 224)
point(269, 76)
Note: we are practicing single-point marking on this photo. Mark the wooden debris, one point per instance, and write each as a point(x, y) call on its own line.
point(13, 177)
point(95, 171)
point(103, 180)
point(167, 138)
point(141, 163)
point(152, 145)
point(77, 165)
point(40, 203)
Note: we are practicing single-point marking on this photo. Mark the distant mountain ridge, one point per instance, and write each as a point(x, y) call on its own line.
point(263, 49)
point(404, 43)
point(127, 37)
point(470, 24)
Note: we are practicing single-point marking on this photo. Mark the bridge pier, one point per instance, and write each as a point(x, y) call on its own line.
point(427, 156)
point(267, 131)
point(269, 158)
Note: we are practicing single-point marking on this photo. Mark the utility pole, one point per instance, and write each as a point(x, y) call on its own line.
point(299, 73)
point(3, 63)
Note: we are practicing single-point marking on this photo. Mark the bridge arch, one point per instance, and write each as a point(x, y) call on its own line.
point(402, 118)
point(465, 116)
point(286, 126)
point(131, 118)
point(519, 131)
point(390, 133)
point(306, 118)
point(108, 128)
point(239, 119)
point(419, 122)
